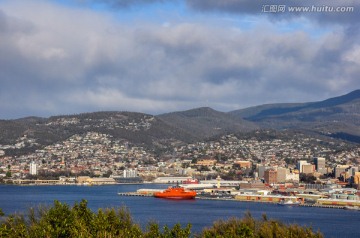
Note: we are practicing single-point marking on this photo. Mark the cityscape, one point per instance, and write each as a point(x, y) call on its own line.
point(186, 118)
point(260, 168)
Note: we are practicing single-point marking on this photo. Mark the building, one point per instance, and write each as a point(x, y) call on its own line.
point(244, 164)
point(308, 169)
point(299, 165)
point(281, 174)
point(340, 169)
point(206, 162)
point(270, 176)
point(33, 168)
point(130, 173)
point(292, 177)
point(171, 179)
point(320, 165)
point(357, 179)
point(252, 185)
point(261, 170)
point(353, 170)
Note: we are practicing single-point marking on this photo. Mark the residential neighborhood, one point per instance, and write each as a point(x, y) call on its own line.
point(272, 161)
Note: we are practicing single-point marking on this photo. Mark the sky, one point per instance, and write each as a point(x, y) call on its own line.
point(60, 57)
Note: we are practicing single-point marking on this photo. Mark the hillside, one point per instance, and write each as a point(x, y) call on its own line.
point(205, 122)
point(28, 134)
point(337, 117)
point(157, 132)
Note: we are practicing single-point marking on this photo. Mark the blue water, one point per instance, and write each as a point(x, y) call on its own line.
point(200, 213)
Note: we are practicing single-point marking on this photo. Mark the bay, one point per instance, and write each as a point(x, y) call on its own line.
point(200, 213)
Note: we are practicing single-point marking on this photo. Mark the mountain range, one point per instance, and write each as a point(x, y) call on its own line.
point(337, 117)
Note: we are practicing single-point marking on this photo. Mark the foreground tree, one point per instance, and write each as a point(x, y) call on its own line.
point(79, 221)
point(248, 227)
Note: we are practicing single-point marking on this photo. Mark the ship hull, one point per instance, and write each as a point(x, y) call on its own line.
point(176, 193)
point(182, 197)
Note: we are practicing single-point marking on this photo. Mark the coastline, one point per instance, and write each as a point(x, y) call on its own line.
point(137, 194)
point(212, 197)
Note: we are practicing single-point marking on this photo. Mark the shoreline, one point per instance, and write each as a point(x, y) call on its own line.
point(136, 194)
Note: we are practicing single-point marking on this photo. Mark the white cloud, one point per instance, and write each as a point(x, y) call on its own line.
point(78, 60)
point(353, 55)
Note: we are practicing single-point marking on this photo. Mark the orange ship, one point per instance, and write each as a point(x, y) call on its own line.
point(175, 193)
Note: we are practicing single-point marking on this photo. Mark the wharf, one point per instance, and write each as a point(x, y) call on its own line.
point(135, 194)
point(322, 206)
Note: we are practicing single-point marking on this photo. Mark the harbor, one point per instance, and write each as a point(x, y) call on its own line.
point(201, 211)
point(233, 195)
point(331, 196)
point(137, 194)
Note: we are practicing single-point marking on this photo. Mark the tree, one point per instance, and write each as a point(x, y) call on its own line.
point(203, 168)
point(8, 174)
point(307, 178)
point(107, 174)
point(62, 221)
point(249, 227)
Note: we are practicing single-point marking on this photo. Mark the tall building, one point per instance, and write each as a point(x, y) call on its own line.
point(281, 174)
point(353, 170)
point(320, 165)
point(339, 169)
point(261, 170)
point(308, 168)
point(33, 168)
point(300, 164)
point(270, 176)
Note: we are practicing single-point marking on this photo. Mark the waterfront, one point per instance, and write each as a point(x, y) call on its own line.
point(200, 213)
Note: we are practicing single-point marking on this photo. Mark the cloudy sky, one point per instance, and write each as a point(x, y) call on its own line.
point(156, 56)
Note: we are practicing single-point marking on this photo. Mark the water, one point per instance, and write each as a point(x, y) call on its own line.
point(200, 213)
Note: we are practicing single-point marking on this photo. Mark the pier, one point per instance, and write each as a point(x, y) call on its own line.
point(150, 194)
point(135, 194)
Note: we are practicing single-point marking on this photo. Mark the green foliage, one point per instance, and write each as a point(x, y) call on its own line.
point(62, 221)
point(8, 174)
point(249, 227)
point(307, 178)
point(79, 221)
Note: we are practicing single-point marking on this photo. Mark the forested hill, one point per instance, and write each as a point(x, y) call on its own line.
point(137, 128)
point(336, 117)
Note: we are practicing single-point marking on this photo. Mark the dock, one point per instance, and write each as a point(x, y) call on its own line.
point(150, 193)
point(322, 206)
point(135, 194)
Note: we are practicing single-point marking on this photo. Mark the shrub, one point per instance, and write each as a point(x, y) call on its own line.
point(62, 221)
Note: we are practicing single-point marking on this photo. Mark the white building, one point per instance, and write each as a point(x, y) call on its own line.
point(292, 177)
point(320, 165)
point(130, 173)
point(33, 168)
point(300, 164)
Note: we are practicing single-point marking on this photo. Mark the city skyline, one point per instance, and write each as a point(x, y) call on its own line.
point(66, 57)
